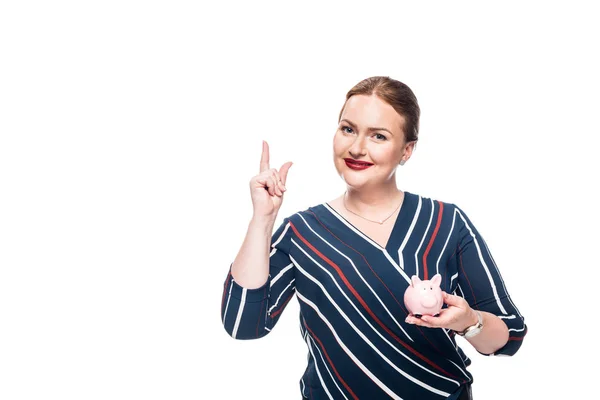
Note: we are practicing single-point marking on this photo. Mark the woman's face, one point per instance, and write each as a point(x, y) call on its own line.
point(356, 139)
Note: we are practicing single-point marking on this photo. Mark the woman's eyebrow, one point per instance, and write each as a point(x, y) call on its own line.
point(352, 124)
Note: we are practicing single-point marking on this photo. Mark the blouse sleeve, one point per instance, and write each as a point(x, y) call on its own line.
point(480, 283)
point(252, 313)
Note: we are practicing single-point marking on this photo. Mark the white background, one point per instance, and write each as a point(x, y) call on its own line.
point(130, 130)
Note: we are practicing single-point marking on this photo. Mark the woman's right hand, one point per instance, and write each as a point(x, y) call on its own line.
point(268, 186)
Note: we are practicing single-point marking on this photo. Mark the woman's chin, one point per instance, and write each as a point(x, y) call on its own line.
point(355, 181)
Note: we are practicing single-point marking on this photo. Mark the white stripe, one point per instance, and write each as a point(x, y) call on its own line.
point(459, 289)
point(400, 270)
point(365, 339)
point(281, 294)
point(502, 280)
point(437, 265)
point(280, 274)
point(423, 238)
point(407, 236)
point(228, 297)
point(455, 345)
point(516, 330)
point(485, 267)
point(303, 386)
point(240, 311)
point(282, 235)
point(391, 260)
point(461, 370)
point(451, 279)
point(361, 277)
point(341, 291)
point(350, 226)
point(446, 331)
point(347, 350)
point(360, 365)
point(511, 316)
point(323, 385)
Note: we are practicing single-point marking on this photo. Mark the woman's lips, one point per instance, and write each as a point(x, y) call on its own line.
point(357, 166)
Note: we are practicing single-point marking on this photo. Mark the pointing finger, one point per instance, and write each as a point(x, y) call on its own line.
point(264, 158)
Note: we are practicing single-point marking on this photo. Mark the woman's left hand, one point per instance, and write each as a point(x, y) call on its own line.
point(458, 316)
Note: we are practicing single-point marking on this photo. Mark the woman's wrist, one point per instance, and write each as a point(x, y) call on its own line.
point(471, 320)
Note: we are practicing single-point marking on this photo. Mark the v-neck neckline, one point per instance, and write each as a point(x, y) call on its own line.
point(364, 236)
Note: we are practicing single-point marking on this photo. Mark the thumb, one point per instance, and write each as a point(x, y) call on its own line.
point(283, 171)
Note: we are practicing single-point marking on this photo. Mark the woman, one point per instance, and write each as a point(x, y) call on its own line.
point(350, 260)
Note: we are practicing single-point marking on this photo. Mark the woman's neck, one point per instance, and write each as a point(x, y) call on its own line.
point(383, 198)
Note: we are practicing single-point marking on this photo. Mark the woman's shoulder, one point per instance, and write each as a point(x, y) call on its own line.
point(439, 201)
point(300, 213)
point(429, 197)
point(311, 212)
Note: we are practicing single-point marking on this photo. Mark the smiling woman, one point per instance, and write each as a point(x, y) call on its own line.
point(349, 260)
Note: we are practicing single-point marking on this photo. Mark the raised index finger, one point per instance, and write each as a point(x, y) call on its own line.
point(264, 158)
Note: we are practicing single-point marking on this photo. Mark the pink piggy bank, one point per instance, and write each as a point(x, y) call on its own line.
point(424, 297)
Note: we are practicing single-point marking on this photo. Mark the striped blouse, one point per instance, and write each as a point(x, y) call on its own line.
point(351, 291)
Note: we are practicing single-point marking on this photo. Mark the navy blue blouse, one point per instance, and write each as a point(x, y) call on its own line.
point(351, 291)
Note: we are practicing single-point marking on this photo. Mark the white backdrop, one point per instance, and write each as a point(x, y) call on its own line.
point(130, 130)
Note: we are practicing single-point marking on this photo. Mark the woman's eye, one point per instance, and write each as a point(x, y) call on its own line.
point(347, 129)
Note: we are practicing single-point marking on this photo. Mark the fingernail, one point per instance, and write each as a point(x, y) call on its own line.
point(284, 188)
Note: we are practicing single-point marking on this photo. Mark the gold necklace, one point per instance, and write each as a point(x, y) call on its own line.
point(379, 222)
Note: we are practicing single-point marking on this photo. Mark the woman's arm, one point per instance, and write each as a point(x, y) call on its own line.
point(492, 337)
point(260, 282)
point(481, 288)
point(459, 316)
point(250, 267)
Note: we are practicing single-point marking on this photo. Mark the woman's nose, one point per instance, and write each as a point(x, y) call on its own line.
point(357, 148)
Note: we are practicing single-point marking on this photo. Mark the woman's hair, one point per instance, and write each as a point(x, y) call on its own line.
point(397, 95)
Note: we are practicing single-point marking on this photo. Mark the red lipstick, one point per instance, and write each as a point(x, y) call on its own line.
point(357, 165)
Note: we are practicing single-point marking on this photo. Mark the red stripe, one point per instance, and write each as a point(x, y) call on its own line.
point(312, 334)
point(435, 231)
point(366, 262)
point(380, 280)
point(515, 338)
point(364, 304)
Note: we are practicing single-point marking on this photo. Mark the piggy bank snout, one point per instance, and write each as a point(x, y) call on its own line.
point(424, 299)
point(429, 300)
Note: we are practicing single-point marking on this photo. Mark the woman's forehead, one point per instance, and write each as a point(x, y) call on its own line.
point(368, 111)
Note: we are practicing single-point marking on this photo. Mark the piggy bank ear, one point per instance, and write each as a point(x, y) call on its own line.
point(415, 280)
point(436, 280)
